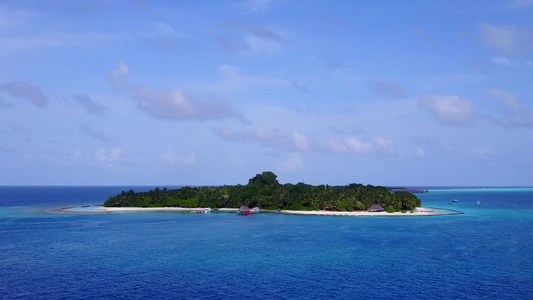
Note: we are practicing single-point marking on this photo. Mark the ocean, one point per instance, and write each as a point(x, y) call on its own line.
point(485, 253)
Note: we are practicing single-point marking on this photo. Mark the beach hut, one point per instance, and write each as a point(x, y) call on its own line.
point(244, 210)
point(376, 208)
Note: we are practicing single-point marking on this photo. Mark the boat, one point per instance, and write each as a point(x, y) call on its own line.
point(246, 211)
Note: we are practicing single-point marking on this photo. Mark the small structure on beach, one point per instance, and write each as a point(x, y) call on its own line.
point(244, 211)
point(376, 208)
point(201, 210)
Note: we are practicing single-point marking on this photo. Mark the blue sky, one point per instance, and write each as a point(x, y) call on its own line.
point(213, 92)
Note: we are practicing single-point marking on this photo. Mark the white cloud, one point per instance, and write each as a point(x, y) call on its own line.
point(448, 110)
point(173, 104)
point(160, 29)
point(419, 151)
point(516, 114)
point(269, 137)
point(507, 99)
point(118, 76)
point(512, 63)
point(273, 138)
point(485, 153)
point(416, 152)
point(354, 145)
point(159, 33)
point(253, 6)
point(382, 142)
point(261, 45)
point(335, 146)
point(27, 91)
point(357, 146)
point(225, 133)
point(505, 39)
point(164, 104)
point(233, 79)
point(292, 163)
point(300, 141)
point(256, 40)
point(170, 157)
point(76, 155)
point(503, 61)
point(424, 140)
point(109, 156)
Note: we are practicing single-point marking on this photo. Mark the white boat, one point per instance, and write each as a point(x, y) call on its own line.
point(201, 210)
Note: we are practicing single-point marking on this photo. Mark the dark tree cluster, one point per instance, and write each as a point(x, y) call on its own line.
point(266, 192)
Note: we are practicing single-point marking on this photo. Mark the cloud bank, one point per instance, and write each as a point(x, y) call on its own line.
point(505, 39)
point(172, 104)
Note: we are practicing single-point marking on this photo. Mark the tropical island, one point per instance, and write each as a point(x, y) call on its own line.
point(265, 192)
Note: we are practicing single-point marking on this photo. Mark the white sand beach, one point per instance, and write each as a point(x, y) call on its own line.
point(419, 211)
point(111, 209)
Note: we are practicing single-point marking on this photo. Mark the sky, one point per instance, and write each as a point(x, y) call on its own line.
point(411, 93)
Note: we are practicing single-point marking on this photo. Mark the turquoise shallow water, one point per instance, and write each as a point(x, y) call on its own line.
point(485, 253)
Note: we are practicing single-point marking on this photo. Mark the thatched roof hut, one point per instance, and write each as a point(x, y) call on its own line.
point(375, 208)
point(244, 210)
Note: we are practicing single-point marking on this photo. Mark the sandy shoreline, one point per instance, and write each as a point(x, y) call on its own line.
point(419, 211)
point(110, 209)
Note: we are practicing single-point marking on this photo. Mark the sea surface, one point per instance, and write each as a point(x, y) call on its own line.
point(485, 253)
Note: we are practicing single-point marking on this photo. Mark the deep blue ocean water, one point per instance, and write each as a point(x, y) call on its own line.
point(485, 253)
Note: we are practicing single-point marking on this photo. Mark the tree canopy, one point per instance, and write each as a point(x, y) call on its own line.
point(264, 191)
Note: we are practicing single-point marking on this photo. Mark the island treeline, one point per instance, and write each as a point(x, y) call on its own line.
point(266, 192)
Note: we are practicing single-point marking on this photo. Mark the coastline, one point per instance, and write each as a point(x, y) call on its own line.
point(419, 211)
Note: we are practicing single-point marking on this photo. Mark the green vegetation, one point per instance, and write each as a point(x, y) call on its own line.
point(265, 192)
